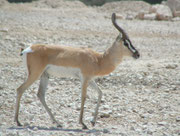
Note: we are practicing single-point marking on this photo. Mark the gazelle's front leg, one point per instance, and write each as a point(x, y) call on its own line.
point(94, 86)
point(41, 95)
point(83, 98)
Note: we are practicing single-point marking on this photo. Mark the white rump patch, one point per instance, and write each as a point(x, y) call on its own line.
point(27, 50)
point(24, 53)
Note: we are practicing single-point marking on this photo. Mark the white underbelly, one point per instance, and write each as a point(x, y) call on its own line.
point(60, 71)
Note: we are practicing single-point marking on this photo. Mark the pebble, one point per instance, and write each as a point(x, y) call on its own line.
point(106, 107)
point(178, 119)
point(171, 66)
point(4, 30)
point(35, 128)
point(162, 123)
point(105, 115)
point(150, 111)
point(105, 130)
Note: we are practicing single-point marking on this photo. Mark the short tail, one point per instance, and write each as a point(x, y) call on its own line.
point(25, 51)
point(21, 51)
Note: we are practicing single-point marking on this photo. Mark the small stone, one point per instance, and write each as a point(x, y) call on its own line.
point(176, 19)
point(151, 16)
point(118, 16)
point(1, 88)
point(162, 123)
point(149, 65)
point(132, 128)
point(35, 128)
point(140, 15)
point(28, 100)
point(26, 124)
point(143, 115)
point(105, 115)
point(105, 131)
point(178, 119)
point(171, 66)
point(106, 107)
point(149, 132)
point(119, 115)
point(4, 30)
point(130, 16)
point(150, 111)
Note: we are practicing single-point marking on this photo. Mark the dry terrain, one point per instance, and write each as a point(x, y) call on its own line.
point(141, 97)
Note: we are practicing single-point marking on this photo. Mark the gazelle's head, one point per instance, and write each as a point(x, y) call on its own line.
point(124, 39)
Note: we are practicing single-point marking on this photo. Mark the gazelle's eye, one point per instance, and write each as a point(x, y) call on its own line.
point(125, 43)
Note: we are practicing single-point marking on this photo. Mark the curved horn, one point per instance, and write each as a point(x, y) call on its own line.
point(125, 36)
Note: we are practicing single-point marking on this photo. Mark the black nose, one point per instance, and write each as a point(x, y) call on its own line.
point(136, 55)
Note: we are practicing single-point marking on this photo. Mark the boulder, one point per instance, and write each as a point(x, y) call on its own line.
point(176, 13)
point(174, 5)
point(3, 3)
point(162, 12)
point(151, 16)
point(146, 16)
point(140, 15)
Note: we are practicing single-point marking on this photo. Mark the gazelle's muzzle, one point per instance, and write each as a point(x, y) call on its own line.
point(136, 55)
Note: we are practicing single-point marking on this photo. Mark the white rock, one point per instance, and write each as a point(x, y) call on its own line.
point(4, 30)
point(118, 16)
point(130, 17)
point(176, 13)
point(140, 15)
point(178, 119)
point(162, 123)
point(105, 131)
point(105, 107)
point(105, 115)
point(174, 5)
point(162, 12)
point(151, 16)
point(35, 128)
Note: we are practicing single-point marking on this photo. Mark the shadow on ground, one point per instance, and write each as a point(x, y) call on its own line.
point(88, 131)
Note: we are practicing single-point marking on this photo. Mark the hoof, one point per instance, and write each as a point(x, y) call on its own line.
point(59, 126)
point(84, 126)
point(19, 124)
point(93, 123)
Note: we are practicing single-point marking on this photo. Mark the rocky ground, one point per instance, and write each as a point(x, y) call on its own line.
point(140, 98)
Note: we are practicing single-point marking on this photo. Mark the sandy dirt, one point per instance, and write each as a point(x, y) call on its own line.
point(141, 97)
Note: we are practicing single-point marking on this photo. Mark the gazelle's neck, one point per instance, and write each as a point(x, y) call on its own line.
point(111, 58)
point(115, 53)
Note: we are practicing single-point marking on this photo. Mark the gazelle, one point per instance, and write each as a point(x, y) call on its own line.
point(83, 63)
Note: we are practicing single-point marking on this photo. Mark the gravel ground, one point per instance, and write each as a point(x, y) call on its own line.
point(141, 97)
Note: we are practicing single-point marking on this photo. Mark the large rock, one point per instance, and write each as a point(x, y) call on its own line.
point(125, 7)
point(146, 16)
point(174, 5)
point(3, 2)
point(176, 13)
point(151, 16)
point(163, 12)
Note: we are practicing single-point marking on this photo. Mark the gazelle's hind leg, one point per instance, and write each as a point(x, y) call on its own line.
point(35, 72)
point(41, 95)
point(31, 79)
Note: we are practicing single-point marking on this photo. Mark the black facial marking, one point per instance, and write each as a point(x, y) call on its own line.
point(129, 45)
